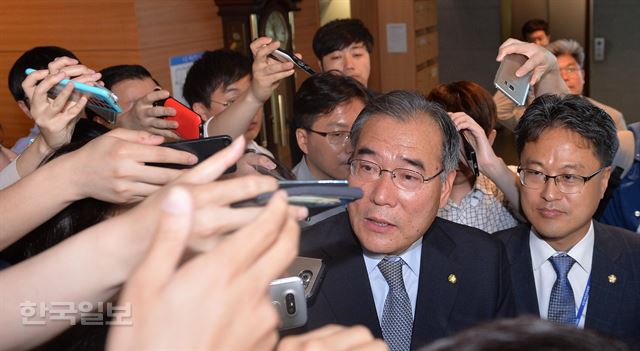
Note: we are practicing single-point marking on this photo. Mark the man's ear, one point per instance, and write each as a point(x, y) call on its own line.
point(492, 136)
point(302, 137)
point(604, 182)
point(447, 185)
point(201, 110)
point(23, 106)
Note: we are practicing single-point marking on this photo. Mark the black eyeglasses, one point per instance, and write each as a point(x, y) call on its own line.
point(566, 183)
point(403, 178)
point(335, 138)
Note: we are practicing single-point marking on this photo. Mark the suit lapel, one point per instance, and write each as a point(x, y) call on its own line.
point(346, 285)
point(524, 286)
point(605, 296)
point(436, 295)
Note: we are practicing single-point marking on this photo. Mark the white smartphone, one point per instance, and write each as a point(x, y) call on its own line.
point(506, 81)
point(287, 296)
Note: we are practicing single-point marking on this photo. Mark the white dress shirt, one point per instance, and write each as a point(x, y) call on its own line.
point(410, 275)
point(545, 276)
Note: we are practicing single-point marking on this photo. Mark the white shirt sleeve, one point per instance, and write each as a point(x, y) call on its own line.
point(9, 174)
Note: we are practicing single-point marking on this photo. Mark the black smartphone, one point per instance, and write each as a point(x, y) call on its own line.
point(283, 56)
point(202, 148)
point(312, 194)
point(470, 155)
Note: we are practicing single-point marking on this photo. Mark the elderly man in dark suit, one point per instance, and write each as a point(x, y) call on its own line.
point(391, 264)
point(566, 267)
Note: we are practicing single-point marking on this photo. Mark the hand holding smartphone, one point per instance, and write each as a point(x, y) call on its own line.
point(189, 123)
point(506, 81)
point(99, 99)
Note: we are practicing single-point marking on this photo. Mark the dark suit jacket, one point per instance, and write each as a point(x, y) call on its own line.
point(613, 308)
point(482, 290)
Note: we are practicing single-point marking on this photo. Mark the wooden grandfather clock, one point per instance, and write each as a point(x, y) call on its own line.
point(245, 20)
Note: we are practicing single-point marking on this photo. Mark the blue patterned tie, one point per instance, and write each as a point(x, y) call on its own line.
point(397, 318)
point(562, 305)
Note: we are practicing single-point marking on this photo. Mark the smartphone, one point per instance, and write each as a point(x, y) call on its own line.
point(189, 123)
point(100, 100)
point(506, 81)
point(283, 56)
point(202, 148)
point(310, 196)
point(470, 155)
point(311, 271)
point(287, 296)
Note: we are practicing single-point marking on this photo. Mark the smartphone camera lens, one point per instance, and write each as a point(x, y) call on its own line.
point(306, 276)
point(511, 87)
point(290, 301)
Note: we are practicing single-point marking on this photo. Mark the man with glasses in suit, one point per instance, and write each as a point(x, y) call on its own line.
point(565, 266)
point(391, 265)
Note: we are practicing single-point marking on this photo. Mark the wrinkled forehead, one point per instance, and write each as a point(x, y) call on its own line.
point(417, 137)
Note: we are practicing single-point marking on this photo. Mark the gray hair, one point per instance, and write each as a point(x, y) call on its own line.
point(568, 47)
point(404, 106)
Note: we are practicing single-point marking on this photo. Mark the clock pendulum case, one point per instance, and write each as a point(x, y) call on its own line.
point(245, 20)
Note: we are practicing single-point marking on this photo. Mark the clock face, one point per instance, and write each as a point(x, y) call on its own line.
point(277, 28)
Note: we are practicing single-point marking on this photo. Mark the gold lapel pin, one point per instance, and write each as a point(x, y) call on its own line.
point(612, 278)
point(452, 278)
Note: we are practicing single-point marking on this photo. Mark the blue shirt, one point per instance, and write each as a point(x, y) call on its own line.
point(410, 275)
point(623, 209)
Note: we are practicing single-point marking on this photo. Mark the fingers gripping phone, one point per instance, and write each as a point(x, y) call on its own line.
point(283, 56)
point(287, 296)
point(99, 99)
point(189, 122)
point(506, 81)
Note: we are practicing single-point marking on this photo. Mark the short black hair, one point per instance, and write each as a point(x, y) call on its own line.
point(218, 68)
point(533, 25)
point(340, 33)
point(115, 74)
point(322, 93)
point(36, 58)
point(526, 333)
point(572, 112)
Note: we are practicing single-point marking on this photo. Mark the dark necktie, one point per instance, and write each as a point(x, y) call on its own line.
point(397, 318)
point(562, 305)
